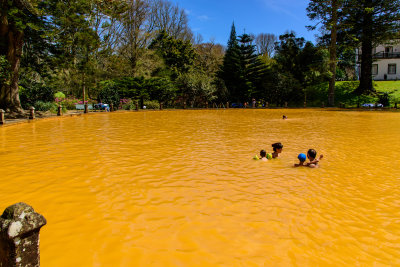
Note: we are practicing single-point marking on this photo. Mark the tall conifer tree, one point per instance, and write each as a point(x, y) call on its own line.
point(251, 68)
point(369, 23)
point(231, 67)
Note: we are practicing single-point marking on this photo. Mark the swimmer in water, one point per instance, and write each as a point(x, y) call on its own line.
point(302, 158)
point(311, 155)
point(263, 155)
point(277, 149)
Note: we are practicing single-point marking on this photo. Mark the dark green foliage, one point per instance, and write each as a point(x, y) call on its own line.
point(300, 65)
point(231, 68)
point(242, 70)
point(369, 22)
point(160, 89)
point(109, 93)
point(4, 70)
point(30, 93)
point(196, 87)
point(45, 106)
point(137, 88)
point(178, 55)
point(384, 99)
point(251, 68)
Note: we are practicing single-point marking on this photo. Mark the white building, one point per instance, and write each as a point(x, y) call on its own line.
point(386, 65)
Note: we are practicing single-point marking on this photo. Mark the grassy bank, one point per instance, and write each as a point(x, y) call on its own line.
point(344, 92)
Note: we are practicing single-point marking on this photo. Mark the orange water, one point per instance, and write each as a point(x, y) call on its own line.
point(180, 188)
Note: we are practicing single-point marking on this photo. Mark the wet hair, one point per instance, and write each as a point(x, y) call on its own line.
point(263, 153)
point(312, 153)
point(276, 146)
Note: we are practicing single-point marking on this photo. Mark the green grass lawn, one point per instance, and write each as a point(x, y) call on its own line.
point(389, 86)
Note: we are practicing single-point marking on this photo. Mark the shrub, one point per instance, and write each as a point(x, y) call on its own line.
point(384, 98)
point(45, 106)
point(109, 93)
point(35, 92)
point(151, 104)
point(69, 103)
point(129, 106)
point(59, 96)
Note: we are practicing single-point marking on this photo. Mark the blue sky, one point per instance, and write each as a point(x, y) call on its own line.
point(213, 18)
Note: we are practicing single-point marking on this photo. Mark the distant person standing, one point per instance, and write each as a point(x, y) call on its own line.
point(253, 101)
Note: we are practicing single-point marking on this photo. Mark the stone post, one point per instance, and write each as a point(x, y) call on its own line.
point(285, 104)
point(59, 110)
point(161, 105)
point(32, 113)
point(111, 107)
point(227, 104)
point(2, 120)
point(86, 108)
point(19, 236)
point(137, 105)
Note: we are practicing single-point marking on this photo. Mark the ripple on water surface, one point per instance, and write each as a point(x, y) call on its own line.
point(177, 188)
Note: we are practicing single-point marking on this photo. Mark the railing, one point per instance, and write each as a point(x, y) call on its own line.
point(383, 55)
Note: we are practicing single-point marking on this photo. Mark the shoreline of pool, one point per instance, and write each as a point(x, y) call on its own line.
point(76, 113)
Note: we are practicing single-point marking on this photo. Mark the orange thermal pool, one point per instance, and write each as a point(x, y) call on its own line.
point(180, 188)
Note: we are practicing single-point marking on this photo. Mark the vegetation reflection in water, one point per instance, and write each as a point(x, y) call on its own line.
point(180, 188)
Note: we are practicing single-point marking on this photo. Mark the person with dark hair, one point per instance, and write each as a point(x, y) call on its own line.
point(263, 156)
point(311, 155)
point(277, 147)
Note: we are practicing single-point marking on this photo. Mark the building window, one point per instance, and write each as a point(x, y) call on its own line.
point(374, 69)
point(389, 49)
point(392, 69)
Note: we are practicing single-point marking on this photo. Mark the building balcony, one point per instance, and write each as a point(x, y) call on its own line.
point(386, 55)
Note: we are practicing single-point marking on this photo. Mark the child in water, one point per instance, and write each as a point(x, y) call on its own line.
point(302, 158)
point(277, 149)
point(311, 155)
point(263, 156)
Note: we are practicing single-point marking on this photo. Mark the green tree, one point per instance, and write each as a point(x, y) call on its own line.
point(14, 20)
point(327, 13)
point(231, 67)
point(178, 55)
point(300, 65)
point(368, 23)
point(196, 87)
point(76, 42)
point(160, 89)
point(251, 68)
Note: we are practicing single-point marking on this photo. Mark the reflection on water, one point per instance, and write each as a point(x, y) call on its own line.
point(180, 188)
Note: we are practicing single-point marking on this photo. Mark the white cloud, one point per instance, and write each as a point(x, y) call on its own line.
point(287, 7)
point(203, 17)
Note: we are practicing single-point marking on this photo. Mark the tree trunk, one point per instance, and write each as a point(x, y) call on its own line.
point(11, 41)
point(365, 86)
point(332, 54)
